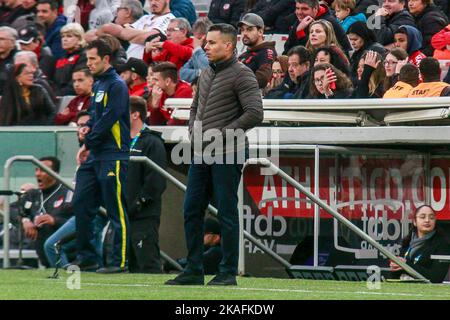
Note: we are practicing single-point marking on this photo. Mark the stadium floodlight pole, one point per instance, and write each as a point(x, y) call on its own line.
point(211, 209)
point(267, 163)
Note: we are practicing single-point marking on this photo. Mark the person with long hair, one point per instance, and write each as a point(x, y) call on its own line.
point(321, 34)
point(279, 71)
point(331, 56)
point(328, 82)
point(371, 75)
point(424, 240)
point(23, 102)
point(393, 58)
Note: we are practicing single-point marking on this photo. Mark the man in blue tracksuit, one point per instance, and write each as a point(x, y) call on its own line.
point(101, 179)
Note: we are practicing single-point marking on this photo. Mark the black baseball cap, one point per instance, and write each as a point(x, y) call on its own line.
point(28, 34)
point(134, 65)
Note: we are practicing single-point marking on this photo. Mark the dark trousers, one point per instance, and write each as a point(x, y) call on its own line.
point(101, 183)
point(144, 249)
point(220, 181)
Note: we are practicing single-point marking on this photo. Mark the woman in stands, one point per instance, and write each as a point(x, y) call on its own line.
point(279, 69)
point(329, 55)
point(371, 74)
point(23, 102)
point(328, 82)
point(362, 39)
point(392, 59)
point(423, 241)
point(321, 34)
point(72, 39)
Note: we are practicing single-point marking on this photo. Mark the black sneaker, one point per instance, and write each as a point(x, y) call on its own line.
point(82, 265)
point(186, 279)
point(223, 279)
point(109, 270)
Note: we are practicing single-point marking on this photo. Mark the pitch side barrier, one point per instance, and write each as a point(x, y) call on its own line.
point(49, 171)
point(353, 112)
point(276, 170)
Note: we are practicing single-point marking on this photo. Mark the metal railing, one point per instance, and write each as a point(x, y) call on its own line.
point(53, 174)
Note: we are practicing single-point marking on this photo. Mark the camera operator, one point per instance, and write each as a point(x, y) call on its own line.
point(50, 207)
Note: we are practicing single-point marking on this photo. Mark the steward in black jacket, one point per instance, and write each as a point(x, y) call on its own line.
point(145, 188)
point(301, 38)
point(429, 22)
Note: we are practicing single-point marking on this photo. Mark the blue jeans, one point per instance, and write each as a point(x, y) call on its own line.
point(68, 229)
point(220, 181)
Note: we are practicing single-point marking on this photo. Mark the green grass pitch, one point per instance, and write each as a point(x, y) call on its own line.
point(34, 284)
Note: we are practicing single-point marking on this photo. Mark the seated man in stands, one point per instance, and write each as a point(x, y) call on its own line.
point(297, 84)
point(432, 86)
point(166, 85)
point(260, 54)
point(31, 60)
point(82, 84)
point(30, 40)
point(148, 25)
point(47, 14)
point(176, 49)
point(134, 73)
point(8, 37)
point(51, 207)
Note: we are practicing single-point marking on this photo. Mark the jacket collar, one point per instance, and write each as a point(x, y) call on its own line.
point(106, 74)
point(219, 66)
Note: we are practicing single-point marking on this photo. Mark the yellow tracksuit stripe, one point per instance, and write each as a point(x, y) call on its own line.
point(122, 215)
point(116, 127)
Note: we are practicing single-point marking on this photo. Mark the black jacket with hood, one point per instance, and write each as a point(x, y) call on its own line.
point(390, 24)
point(429, 22)
point(145, 185)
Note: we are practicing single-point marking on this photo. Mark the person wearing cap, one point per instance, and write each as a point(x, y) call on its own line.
point(29, 40)
point(8, 37)
point(166, 85)
point(260, 54)
point(134, 73)
point(74, 58)
point(176, 49)
point(226, 11)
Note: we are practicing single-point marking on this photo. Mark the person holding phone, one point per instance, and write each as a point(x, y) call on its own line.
point(328, 82)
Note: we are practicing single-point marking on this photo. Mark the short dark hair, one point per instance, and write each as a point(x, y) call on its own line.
point(311, 3)
point(103, 49)
point(409, 74)
point(167, 70)
point(303, 53)
point(54, 5)
point(56, 164)
point(138, 104)
point(82, 113)
point(227, 30)
point(430, 69)
point(85, 70)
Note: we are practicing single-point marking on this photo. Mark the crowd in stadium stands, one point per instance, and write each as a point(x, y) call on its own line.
point(334, 49)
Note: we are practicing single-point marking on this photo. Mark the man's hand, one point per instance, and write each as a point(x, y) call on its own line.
point(82, 155)
point(156, 96)
point(153, 44)
point(394, 266)
point(30, 229)
point(381, 12)
point(43, 220)
point(305, 23)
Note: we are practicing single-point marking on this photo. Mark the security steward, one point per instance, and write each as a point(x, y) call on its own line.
point(102, 178)
point(145, 188)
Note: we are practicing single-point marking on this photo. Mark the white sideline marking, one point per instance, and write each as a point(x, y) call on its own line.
point(157, 286)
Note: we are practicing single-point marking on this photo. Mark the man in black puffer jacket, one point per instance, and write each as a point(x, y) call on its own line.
point(308, 11)
point(226, 11)
point(392, 15)
point(429, 20)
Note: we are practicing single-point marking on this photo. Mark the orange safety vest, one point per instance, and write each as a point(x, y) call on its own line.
point(399, 90)
point(428, 89)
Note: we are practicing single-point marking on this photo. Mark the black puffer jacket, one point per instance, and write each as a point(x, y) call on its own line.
point(429, 22)
point(145, 185)
point(226, 11)
point(295, 39)
point(389, 25)
point(277, 14)
point(444, 5)
point(228, 97)
point(64, 69)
